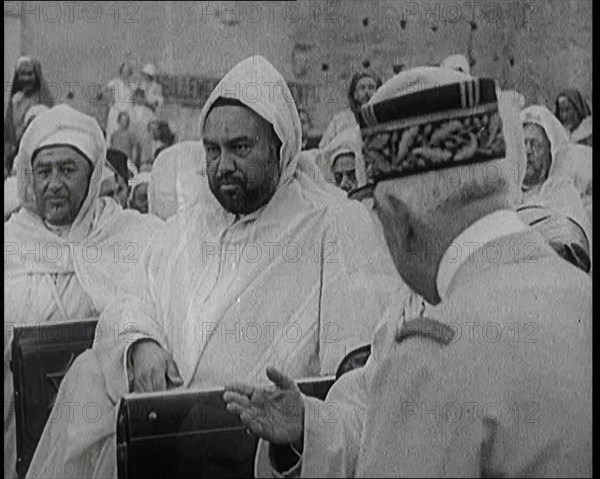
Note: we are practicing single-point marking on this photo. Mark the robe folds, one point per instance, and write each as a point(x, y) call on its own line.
point(510, 396)
point(296, 284)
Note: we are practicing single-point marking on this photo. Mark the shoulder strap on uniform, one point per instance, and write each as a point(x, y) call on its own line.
point(428, 328)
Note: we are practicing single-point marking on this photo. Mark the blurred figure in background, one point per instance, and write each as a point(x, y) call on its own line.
point(121, 91)
point(152, 90)
point(362, 87)
point(125, 141)
point(575, 115)
point(138, 198)
point(28, 89)
point(116, 186)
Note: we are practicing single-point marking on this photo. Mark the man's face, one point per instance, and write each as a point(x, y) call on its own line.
point(26, 76)
point(241, 157)
point(139, 198)
point(344, 172)
point(61, 178)
point(539, 157)
point(364, 90)
point(567, 114)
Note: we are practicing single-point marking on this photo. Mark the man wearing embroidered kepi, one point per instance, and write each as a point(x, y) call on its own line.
point(437, 399)
point(67, 250)
point(232, 284)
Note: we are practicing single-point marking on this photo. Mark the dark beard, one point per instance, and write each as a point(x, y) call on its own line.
point(245, 200)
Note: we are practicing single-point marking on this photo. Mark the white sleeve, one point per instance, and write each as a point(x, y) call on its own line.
point(332, 432)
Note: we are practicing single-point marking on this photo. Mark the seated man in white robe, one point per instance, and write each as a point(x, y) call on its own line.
point(497, 383)
point(550, 202)
point(274, 269)
point(67, 250)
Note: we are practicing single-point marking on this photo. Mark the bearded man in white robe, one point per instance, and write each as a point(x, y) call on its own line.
point(497, 382)
point(67, 250)
point(550, 201)
point(273, 267)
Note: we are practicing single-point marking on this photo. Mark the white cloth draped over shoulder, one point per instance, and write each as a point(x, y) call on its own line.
point(74, 275)
point(296, 284)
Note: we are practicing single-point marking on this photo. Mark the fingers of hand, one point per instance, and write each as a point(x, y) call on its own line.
point(279, 379)
point(252, 419)
point(173, 373)
point(240, 388)
point(235, 398)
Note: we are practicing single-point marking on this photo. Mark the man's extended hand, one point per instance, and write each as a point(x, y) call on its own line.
point(153, 369)
point(276, 414)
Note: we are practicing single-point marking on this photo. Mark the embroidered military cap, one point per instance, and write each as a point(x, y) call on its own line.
point(428, 119)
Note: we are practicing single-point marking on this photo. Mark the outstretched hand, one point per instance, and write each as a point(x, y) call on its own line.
point(276, 414)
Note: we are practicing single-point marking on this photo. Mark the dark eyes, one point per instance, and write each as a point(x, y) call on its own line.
point(211, 150)
point(44, 173)
point(241, 149)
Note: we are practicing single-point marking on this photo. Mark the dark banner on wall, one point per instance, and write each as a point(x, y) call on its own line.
point(192, 91)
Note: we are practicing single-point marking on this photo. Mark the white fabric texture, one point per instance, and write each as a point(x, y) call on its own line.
point(178, 180)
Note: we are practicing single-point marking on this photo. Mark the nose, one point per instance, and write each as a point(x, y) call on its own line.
point(346, 183)
point(226, 163)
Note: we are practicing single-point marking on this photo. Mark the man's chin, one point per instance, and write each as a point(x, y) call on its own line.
point(58, 218)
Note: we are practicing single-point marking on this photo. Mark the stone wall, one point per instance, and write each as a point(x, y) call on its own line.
point(535, 47)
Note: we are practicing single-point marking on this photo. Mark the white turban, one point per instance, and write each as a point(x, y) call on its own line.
point(62, 125)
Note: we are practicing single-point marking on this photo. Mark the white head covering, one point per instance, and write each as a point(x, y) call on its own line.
point(347, 141)
point(178, 180)
point(23, 60)
point(100, 222)
point(456, 62)
point(34, 111)
point(63, 125)
point(259, 86)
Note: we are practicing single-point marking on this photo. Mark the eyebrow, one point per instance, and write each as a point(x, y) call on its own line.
point(237, 139)
point(45, 163)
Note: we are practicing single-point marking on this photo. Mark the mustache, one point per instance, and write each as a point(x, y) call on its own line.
point(56, 196)
point(231, 179)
